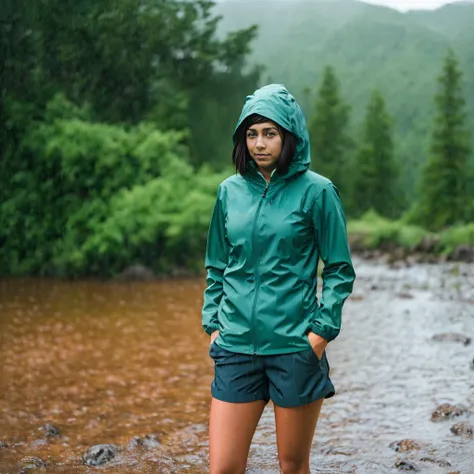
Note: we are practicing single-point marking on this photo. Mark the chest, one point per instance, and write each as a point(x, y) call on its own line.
point(280, 218)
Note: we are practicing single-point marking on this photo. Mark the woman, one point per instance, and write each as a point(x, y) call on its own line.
point(271, 223)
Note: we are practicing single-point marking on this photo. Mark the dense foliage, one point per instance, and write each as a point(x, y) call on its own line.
point(100, 103)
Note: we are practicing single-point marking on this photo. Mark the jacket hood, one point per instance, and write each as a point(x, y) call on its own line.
point(277, 104)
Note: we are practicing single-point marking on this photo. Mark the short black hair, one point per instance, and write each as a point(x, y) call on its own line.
point(241, 156)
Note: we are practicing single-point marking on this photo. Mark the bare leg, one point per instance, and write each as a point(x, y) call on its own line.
point(295, 431)
point(231, 429)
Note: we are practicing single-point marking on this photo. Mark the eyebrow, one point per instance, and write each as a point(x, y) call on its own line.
point(265, 129)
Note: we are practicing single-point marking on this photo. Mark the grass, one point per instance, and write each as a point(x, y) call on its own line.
point(373, 232)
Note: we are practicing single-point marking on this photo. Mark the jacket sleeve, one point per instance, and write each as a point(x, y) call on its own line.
point(217, 252)
point(338, 273)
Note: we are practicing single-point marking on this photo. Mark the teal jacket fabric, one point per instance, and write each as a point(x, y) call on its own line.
point(264, 246)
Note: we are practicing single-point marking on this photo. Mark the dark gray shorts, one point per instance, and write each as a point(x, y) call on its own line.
point(289, 380)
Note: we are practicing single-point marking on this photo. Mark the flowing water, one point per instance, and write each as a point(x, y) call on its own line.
point(107, 361)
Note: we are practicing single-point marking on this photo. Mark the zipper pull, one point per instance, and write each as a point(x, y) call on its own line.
point(265, 192)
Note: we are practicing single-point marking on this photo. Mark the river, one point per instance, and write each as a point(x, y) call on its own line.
point(107, 361)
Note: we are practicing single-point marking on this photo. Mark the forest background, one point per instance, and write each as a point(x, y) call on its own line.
point(116, 121)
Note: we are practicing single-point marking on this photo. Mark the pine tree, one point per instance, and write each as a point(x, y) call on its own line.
point(330, 142)
point(376, 172)
point(444, 182)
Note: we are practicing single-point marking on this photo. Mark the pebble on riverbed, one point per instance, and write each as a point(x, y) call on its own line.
point(100, 454)
point(452, 337)
point(3, 444)
point(50, 431)
point(405, 445)
point(406, 466)
point(448, 412)
point(148, 441)
point(463, 429)
point(38, 442)
point(31, 462)
point(439, 462)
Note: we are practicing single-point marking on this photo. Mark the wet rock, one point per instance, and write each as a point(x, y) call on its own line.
point(406, 466)
point(426, 245)
point(148, 441)
point(452, 337)
point(340, 451)
point(439, 462)
point(31, 462)
point(404, 295)
point(38, 442)
point(405, 445)
point(135, 441)
point(100, 454)
point(136, 273)
point(396, 255)
point(472, 364)
point(51, 431)
point(447, 411)
point(3, 444)
point(463, 429)
point(462, 253)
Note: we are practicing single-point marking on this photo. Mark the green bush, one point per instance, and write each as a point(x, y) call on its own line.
point(90, 199)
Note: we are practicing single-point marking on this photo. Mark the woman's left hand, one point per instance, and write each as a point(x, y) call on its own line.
point(318, 344)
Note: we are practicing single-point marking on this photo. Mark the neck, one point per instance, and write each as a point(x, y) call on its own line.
point(267, 174)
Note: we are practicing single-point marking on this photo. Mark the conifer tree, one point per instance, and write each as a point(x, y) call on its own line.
point(330, 142)
point(376, 172)
point(444, 182)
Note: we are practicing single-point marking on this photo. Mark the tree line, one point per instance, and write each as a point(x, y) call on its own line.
point(366, 170)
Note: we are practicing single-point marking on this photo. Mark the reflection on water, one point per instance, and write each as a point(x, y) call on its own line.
point(107, 361)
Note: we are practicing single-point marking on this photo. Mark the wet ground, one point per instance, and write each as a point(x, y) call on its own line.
point(107, 361)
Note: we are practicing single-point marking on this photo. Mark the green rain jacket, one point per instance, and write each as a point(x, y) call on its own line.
point(264, 245)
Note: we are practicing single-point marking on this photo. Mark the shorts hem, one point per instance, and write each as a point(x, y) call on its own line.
point(234, 399)
point(328, 394)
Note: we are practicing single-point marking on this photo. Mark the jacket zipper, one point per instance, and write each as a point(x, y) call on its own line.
point(257, 275)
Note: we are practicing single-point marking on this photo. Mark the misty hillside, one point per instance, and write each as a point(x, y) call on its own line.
point(371, 47)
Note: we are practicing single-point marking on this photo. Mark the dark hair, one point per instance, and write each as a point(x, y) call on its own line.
point(241, 156)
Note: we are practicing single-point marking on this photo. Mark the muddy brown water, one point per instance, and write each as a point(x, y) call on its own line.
point(106, 361)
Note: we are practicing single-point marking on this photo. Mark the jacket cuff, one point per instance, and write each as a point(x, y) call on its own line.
point(324, 333)
point(210, 328)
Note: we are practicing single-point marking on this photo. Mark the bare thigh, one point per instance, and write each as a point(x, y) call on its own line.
point(231, 429)
point(295, 429)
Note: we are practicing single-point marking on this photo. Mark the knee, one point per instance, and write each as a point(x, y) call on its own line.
point(294, 466)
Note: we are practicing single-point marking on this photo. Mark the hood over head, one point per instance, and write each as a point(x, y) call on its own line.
point(278, 105)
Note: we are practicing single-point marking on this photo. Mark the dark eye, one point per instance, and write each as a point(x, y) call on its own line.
point(251, 135)
point(271, 134)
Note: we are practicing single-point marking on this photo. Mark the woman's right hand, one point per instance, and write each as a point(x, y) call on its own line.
point(214, 336)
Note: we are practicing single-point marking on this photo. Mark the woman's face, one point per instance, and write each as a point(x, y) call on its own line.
point(265, 143)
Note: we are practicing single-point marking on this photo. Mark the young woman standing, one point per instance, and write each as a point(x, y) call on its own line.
point(271, 224)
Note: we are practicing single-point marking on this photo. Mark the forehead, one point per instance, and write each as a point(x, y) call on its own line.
point(263, 125)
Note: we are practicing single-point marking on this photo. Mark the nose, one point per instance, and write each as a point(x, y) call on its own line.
point(260, 143)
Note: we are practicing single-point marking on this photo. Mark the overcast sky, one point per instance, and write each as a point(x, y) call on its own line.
point(410, 4)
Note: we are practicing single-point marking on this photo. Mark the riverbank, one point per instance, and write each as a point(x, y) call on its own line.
point(374, 237)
